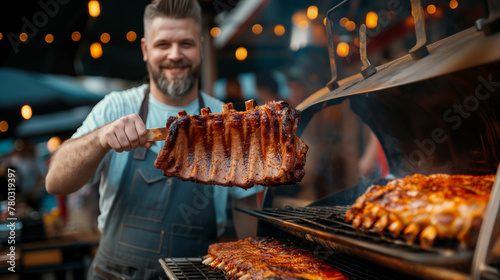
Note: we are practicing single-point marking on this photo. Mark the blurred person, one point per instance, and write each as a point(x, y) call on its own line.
point(145, 215)
point(267, 88)
point(372, 164)
point(234, 94)
point(29, 175)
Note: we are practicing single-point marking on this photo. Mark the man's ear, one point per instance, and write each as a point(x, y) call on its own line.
point(144, 49)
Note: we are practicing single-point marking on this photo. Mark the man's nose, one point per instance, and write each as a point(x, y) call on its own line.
point(175, 53)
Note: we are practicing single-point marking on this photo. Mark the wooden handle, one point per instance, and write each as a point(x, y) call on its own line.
point(157, 134)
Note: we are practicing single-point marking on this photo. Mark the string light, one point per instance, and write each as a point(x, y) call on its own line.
point(4, 126)
point(257, 29)
point(343, 21)
point(371, 20)
point(343, 49)
point(23, 37)
point(105, 37)
point(312, 12)
point(215, 32)
point(350, 25)
point(131, 36)
point(303, 24)
point(431, 9)
point(453, 4)
point(96, 50)
point(241, 53)
point(26, 112)
point(279, 30)
point(49, 38)
point(53, 143)
point(94, 8)
point(76, 36)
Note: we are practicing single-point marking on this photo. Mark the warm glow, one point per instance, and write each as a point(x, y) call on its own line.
point(409, 22)
point(96, 50)
point(371, 20)
point(356, 42)
point(4, 126)
point(343, 21)
point(299, 16)
point(303, 24)
point(431, 9)
point(438, 13)
point(342, 49)
point(105, 37)
point(350, 26)
point(312, 12)
point(23, 37)
point(49, 38)
point(257, 29)
point(131, 36)
point(215, 32)
point(76, 36)
point(53, 143)
point(279, 30)
point(241, 53)
point(26, 112)
point(94, 8)
point(1, 36)
point(324, 21)
point(453, 4)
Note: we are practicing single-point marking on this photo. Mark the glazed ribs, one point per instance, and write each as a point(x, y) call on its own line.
point(258, 146)
point(438, 206)
point(257, 258)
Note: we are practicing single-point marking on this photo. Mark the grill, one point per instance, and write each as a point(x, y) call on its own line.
point(188, 269)
point(325, 225)
point(405, 103)
point(354, 269)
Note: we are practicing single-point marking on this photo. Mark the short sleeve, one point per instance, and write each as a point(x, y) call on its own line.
point(99, 116)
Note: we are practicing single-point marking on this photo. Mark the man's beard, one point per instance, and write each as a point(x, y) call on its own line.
point(178, 86)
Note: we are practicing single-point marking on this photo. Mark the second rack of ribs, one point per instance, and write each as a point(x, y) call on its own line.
point(258, 146)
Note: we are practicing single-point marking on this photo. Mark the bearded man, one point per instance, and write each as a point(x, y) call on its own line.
point(144, 215)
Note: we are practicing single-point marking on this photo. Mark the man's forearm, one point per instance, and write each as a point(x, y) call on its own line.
point(74, 163)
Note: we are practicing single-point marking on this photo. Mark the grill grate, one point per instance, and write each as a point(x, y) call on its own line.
point(354, 269)
point(326, 223)
point(188, 269)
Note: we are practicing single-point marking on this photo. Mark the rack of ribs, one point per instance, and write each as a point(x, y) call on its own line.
point(438, 206)
point(257, 258)
point(258, 146)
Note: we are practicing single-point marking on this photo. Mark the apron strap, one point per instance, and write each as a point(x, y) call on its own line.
point(143, 111)
point(201, 104)
point(140, 152)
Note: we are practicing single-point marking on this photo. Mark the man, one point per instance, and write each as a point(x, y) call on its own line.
point(144, 215)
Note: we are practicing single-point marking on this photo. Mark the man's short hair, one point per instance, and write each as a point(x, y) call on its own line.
point(172, 9)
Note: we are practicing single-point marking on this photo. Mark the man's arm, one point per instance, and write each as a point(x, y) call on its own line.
point(76, 160)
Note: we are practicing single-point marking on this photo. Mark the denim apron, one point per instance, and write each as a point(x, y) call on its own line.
point(153, 216)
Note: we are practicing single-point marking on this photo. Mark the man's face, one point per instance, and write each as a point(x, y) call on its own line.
point(172, 52)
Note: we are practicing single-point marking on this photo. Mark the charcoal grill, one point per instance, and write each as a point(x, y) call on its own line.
point(188, 269)
point(354, 269)
point(403, 101)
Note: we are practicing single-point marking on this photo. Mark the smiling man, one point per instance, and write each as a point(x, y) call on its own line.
point(145, 215)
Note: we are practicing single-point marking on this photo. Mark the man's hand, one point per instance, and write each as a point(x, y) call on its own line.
point(124, 134)
point(76, 160)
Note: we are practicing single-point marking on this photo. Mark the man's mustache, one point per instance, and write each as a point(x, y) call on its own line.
point(175, 64)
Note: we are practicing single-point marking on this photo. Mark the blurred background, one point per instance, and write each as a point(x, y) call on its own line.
point(58, 58)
